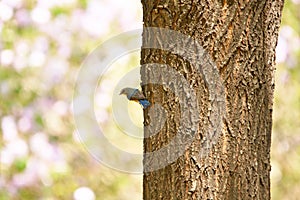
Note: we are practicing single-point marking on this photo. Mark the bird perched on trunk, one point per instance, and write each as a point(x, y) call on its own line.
point(135, 95)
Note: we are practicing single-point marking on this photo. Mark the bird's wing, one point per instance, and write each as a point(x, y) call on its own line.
point(137, 95)
point(145, 103)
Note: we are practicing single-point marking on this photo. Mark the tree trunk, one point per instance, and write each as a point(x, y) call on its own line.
point(239, 38)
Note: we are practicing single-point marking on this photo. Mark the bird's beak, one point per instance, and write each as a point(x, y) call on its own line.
point(121, 92)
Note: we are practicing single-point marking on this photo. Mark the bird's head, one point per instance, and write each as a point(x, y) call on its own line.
point(127, 91)
point(122, 91)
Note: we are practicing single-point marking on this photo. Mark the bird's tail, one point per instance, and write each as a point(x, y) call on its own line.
point(145, 103)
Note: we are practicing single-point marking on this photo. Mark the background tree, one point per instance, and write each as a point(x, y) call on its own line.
point(241, 38)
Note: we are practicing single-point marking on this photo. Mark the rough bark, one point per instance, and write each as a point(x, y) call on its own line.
point(240, 37)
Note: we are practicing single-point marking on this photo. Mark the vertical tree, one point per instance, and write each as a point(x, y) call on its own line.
point(240, 38)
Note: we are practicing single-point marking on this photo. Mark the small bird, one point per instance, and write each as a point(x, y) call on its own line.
point(135, 95)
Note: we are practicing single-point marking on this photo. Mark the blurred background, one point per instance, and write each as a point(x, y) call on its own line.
point(42, 46)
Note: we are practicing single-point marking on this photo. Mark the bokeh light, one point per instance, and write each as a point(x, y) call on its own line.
point(42, 45)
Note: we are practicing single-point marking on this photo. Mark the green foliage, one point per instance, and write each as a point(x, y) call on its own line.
point(42, 46)
point(20, 165)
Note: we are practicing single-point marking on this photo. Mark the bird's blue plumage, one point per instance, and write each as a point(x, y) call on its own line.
point(145, 103)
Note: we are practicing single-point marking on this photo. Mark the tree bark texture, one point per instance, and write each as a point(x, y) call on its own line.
point(240, 37)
